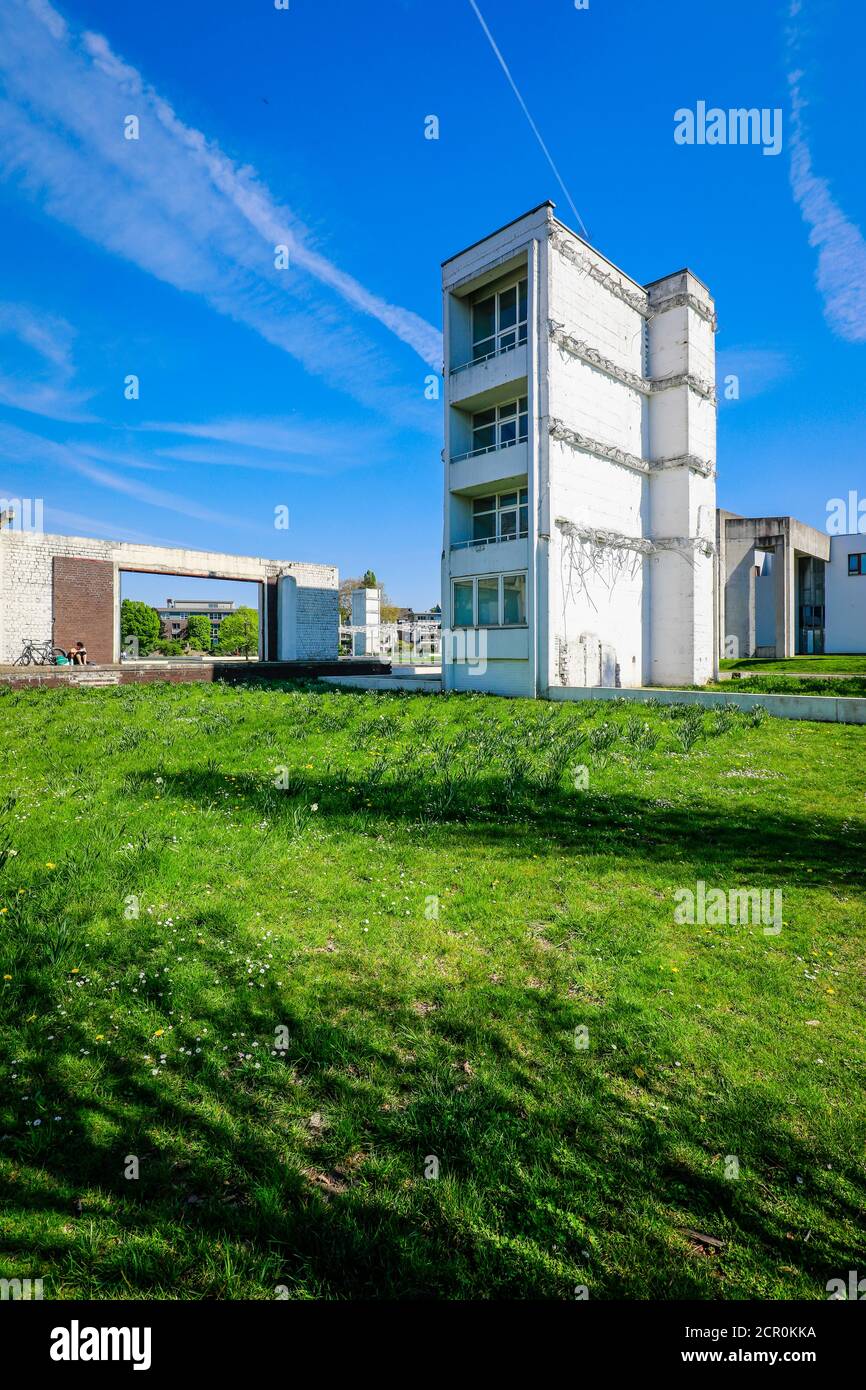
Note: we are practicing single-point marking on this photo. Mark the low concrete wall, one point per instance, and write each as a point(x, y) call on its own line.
point(395, 681)
point(182, 673)
point(828, 709)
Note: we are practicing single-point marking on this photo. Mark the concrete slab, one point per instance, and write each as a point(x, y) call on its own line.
point(827, 709)
point(416, 684)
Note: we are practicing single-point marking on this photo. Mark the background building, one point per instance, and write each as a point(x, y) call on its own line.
point(580, 425)
point(174, 616)
point(785, 589)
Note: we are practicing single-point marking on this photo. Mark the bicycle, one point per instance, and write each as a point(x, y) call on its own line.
point(38, 654)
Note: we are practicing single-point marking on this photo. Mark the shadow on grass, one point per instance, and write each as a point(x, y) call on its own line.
point(547, 1180)
point(492, 810)
point(556, 1168)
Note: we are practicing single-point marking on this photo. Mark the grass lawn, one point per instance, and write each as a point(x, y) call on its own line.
point(386, 960)
point(779, 684)
point(844, 665)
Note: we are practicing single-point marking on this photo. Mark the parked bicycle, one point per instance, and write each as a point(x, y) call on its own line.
point(38, 654)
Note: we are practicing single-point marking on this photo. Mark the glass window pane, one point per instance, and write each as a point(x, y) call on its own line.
point(484, 429)
point(524, 427)
point(506, 341)
point(508, 499)
point(523, 404)
point(508, 524)
point(462, 616)
point(484, 319)
point(488, 602)
point(514, 598)
point(507, 432)
point(508, 308)
point(484, 527)
point(524, 495)
point(484, 504)
point(521, 314)
point(507, 412)
point(524, 521)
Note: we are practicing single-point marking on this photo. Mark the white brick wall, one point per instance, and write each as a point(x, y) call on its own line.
point(26, 584)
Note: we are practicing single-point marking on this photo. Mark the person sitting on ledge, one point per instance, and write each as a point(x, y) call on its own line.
point(78, 655)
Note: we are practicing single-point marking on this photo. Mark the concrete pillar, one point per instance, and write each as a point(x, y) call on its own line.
point(740, 615)
point(287, 618)
point(786, 593)
point(366, 614)
point(682, 501)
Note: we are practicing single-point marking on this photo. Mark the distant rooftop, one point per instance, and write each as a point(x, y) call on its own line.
point(199, 603)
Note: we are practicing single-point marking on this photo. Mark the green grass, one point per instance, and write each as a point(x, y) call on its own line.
point(844, 665)
point(792, 685)
point(430, 909)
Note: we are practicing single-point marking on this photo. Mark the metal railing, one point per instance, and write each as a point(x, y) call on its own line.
point(487, 356)
point(489, 540)
point(489, 449)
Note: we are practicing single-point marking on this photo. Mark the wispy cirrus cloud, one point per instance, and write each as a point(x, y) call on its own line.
point(45, 389)
point(176, 206)
point(841, 271)
point(757, 369)
point(319, 448)
point(33, 450)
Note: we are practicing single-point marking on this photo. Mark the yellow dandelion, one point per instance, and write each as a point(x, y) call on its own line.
point(100, 1037)
point(159, 1032)
point(7, 977)
point(75, 970)
point(49, 865)
point(3, 911)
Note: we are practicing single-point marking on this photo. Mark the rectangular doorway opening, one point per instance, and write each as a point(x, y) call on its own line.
point(170, 617)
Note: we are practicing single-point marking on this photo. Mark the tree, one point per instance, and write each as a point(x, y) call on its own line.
point(198, 632)
point(239, 632)
point(169, 646)
point(139, 620)
point(370, 581)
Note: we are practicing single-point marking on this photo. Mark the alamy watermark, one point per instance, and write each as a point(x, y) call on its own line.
point(846, 516)
point(852, 1290)
point(17, 1289)
point(714, 907)
point(22, 514)
point(737, 126)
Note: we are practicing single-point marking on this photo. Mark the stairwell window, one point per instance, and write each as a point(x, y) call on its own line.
point(501, 517)
point(463, 607)
point(513, 600)
point(500, 426)
point(499, 321)
point(490, 600)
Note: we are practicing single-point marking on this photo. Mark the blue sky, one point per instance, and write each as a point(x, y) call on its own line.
point(304, 388)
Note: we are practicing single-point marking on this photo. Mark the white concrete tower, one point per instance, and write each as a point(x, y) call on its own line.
point(579, 467)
